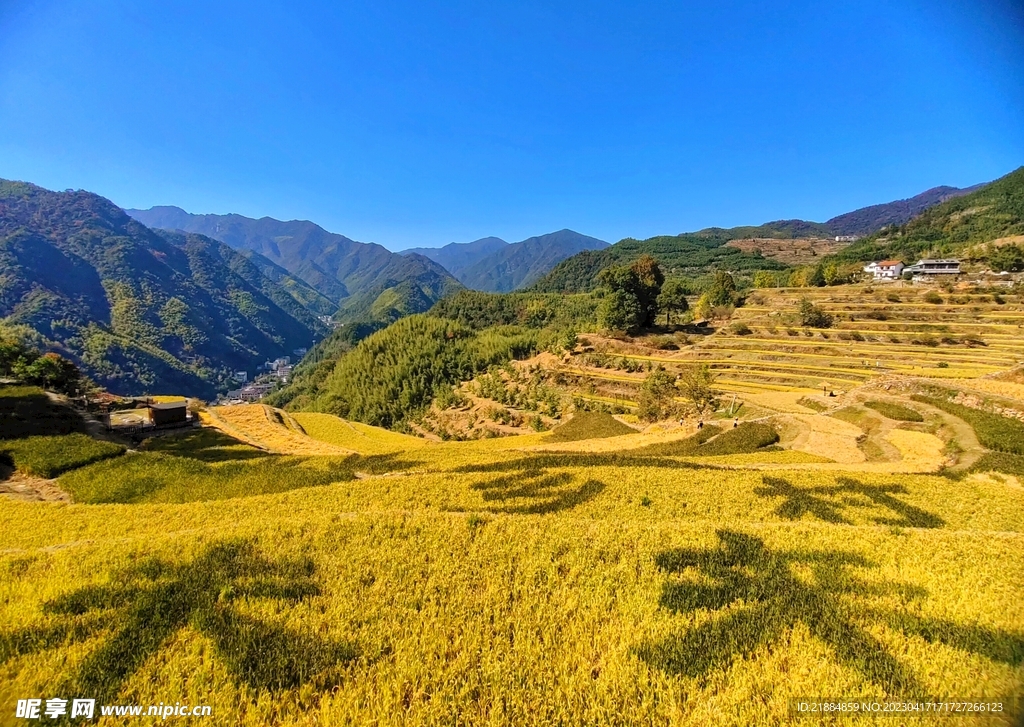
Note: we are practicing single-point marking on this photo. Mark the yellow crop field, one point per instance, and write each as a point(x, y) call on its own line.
point(269, 429)
point(515, 581)
point(355, 436)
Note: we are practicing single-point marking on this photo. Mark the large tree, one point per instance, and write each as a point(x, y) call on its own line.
point(632, 289)
point(697, 384)
point(672, 299)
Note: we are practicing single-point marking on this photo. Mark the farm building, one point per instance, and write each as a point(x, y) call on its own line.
point(885, 269)
point(172, 412)
point(934, 267)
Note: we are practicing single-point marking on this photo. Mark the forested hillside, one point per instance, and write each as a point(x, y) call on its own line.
point(139, 311)
point(363, 280)
point(393, 374)
point(868, 220)
point(954, 227)
point(690, 254)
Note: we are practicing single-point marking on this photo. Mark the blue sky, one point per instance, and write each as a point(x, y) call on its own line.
point(423, 123)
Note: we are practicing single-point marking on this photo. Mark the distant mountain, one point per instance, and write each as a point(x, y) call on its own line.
point(495, 266)
point(694, 253)
point(954, 227)
point(457, 256)
point(141, 311)
point(356, 277)
point(523, 263)
point(869, 220)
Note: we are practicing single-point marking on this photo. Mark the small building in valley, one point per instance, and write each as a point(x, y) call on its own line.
point(885, 269)
point(166, 413)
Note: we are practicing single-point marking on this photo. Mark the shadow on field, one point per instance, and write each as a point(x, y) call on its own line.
point(205, 445)
point(754, 595)
point(146, 605)
point(829, 502)
point(563, 459)
point(25, 411)
point(538, 491)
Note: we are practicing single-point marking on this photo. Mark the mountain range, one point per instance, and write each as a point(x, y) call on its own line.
point(495, 266)
point(183, 307)
point(356, 279)
point(140, 310)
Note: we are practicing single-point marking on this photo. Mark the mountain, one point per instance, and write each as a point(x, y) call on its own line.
point(522, 263)
point(955, 227)
point(495, 266)
point(457, 256)
point(868, 220)
point(696, 252)
point(357, 278)
point(141, 311)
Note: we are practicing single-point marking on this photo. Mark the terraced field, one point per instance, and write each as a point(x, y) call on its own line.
point(775, 354)
point(303, 570)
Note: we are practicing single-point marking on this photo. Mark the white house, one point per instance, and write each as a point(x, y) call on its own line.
point(885, 269)
point(935, 267)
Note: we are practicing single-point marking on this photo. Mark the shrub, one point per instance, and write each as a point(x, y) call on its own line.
point(812, 316)
point(747, 437)
point(898, 412)
point(741, 329)
point(932, 297)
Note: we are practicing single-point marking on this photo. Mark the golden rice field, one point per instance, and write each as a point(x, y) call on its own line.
point(873, 337)
point(494, 583)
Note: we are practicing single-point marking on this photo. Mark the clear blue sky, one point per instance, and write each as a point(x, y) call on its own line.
point(421, 123)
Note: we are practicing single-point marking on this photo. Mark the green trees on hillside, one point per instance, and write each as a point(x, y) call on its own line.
point(631, 302)
point(393, 375)
point(721, 294)
point(814, 317)
point(672, 299)
point(1008, 258)
point(49, 370)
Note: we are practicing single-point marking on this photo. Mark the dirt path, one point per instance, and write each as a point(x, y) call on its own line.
point(17, 486)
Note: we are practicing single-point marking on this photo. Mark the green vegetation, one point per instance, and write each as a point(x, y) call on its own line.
point(713, 441)
point(394, 374)
point(631, 295)
point(137, 309)
point(993, 212)
point(995, 432)
point(697, 384)
point(201, 470)
point(533, 310)
point(657, 396)
point(691, 254)
point(811, 316)
point(49, 456)
point(48, 370)
point(589, 425)
point(892, 410)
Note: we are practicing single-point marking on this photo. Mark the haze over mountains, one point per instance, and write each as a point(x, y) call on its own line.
point(495, 266)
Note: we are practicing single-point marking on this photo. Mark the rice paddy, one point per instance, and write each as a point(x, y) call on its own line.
point(302, 569)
